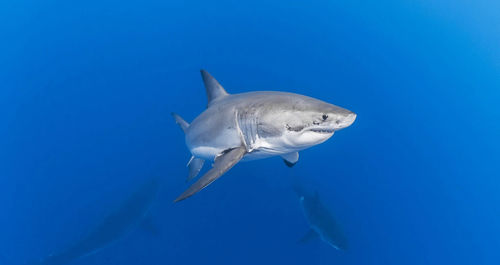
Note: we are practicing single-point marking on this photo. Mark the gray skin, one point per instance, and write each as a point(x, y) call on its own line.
point(321, 221)
point(255, 125)
point(116, 225)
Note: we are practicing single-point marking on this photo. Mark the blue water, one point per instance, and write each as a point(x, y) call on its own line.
point(86, 91)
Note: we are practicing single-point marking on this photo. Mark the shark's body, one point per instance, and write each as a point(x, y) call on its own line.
point(255, 125)
point(130, 213)
point(321, 221)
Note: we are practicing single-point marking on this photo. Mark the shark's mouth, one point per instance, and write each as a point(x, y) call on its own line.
point(322, 130)
point(302, 129)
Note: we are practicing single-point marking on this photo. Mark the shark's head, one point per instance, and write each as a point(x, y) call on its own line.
point(307, 121)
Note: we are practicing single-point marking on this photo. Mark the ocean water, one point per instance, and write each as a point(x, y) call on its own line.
point(87, 88)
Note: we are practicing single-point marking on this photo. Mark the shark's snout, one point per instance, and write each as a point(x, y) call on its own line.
point(345, 121)
point(350, 119)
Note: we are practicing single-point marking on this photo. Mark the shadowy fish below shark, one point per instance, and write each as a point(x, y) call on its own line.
point(131, 213)
point(322, 223)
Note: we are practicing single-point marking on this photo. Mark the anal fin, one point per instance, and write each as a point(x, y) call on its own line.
point(222, 164)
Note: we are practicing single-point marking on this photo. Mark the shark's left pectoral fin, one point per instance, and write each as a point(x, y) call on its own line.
point(291, 159)
point(310, 235)
point(222, 164)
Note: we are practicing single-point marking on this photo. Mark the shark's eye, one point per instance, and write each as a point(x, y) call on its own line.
point(325, 117)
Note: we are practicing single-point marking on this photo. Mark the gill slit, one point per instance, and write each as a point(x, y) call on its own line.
point(247, 128)
point(242, 137)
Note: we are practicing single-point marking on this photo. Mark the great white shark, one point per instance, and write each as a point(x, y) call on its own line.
point(255, 125)
point(322, 223)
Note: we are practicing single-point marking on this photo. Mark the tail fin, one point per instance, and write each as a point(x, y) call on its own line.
point(182, 123)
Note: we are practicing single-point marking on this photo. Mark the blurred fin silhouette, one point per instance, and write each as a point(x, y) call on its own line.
point(130, 214)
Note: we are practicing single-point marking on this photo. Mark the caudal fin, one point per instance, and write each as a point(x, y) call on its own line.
point(180, 121)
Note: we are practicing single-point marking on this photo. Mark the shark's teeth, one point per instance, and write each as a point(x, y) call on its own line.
point(325, 130)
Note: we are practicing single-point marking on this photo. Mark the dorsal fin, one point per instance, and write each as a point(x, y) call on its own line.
point(214, 89)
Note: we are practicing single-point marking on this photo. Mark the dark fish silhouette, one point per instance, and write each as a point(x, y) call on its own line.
point(128, 216)
point(321, 221)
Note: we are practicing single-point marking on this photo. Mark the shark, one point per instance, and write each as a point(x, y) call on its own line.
point(254, 125)
point(322, 223)
point(131, 213)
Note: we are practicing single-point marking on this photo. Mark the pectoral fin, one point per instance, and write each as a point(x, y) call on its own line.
point(194, 165)
point(291, 159)
point(222, 164)
point(310, 235)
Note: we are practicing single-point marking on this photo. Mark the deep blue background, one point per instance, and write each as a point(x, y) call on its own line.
point(86, 91)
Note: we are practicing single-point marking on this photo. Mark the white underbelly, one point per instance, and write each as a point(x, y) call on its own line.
point(211, 146)
point(260, 149)
point(267, 147)
point(206, 152)
point(256, 155)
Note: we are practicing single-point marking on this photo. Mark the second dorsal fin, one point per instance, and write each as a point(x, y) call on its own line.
point(212, 86)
